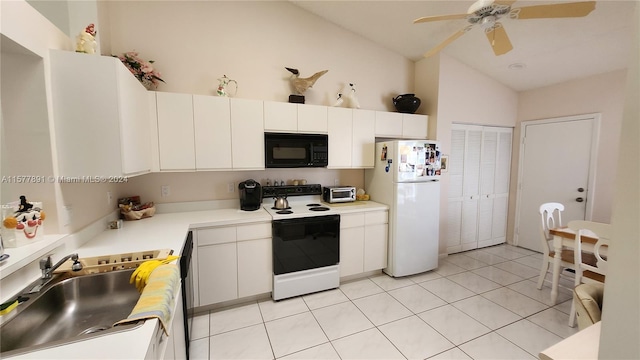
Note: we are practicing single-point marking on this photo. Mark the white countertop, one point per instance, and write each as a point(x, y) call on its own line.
point(162, 231)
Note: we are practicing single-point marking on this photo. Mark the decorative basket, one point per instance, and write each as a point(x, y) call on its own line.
point(138, 214)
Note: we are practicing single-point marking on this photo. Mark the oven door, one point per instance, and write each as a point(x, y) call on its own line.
point(305, 243)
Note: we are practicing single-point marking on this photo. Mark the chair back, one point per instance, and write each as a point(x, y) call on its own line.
point(603, 233)
point(551, 217)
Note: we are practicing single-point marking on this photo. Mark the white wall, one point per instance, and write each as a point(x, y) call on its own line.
point(621, 314)
point(463, 95)
point(196, 42)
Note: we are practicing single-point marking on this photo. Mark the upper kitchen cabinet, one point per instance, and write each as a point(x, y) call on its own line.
point(101, 116)
point(198, 132)
point(247, 134)
point(351, 138)
point(176, 140)
point(293, 118)
point(401, 126)
point(212, 123)
point(312, 119)
point(280, 117)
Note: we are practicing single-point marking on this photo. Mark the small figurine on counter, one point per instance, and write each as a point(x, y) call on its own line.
point(26, 220)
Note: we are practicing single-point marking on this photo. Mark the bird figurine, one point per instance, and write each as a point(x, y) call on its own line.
point(353, 100)
point(302, 84)
point(339, 100)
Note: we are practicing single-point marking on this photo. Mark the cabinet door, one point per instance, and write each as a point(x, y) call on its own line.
point(135, 139)
point(351, 251)
point(255, 267)
point(85, 106)
point(247, 134)
point(414, 126)
point(175, 131)
point(217, 273)
point(375, 247)
point(312, 118)
point(471, 188)
point(212, 124)
point(364, 139)
point(280, 116)
point(388, 124)
point(340, 137)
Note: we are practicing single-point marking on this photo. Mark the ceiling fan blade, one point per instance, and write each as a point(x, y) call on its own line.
point(504, 2)
point(499, 40)
point(448, 41)
point(566, 10)
point(439, 17)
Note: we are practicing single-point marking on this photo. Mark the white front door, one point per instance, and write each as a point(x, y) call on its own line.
point(557, 160)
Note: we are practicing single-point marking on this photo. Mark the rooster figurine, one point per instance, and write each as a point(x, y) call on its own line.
point(302, 84)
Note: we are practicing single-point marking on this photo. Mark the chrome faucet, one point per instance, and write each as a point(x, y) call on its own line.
point(47, 269)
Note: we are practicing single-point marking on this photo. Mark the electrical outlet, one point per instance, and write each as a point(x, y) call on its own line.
point(231, 187)
point(109, 197)
point(67, 215)
point(165, 190)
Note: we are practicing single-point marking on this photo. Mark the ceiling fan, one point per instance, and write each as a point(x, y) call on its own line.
point(486, 13)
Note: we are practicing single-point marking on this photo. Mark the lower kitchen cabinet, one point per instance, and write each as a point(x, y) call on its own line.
point(217, 273)
point(255, 268)
point(233, 262)
point(363, 242)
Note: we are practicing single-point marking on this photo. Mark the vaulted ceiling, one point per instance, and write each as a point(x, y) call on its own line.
point(545, 51)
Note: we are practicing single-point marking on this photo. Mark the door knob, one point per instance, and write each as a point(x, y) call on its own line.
point(579, 199)
point(580, 189)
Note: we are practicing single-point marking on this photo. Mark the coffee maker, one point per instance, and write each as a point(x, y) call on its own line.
point(250, 195)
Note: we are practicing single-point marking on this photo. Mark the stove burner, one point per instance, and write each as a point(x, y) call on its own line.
point(275, 208)
point(285, 212)
point(311, 205)
point(318, 208)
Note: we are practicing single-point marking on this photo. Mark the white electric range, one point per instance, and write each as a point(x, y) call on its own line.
point(305, 240)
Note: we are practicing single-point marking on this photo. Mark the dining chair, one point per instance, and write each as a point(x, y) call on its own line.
point(551, 216)
point(589, 271)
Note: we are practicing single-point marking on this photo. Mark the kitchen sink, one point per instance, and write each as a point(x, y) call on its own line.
point(70, 309)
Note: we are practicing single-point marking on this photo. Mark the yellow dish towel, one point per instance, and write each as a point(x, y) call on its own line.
point(158, 297)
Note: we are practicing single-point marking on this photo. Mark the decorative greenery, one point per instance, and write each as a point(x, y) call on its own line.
point(141, 69)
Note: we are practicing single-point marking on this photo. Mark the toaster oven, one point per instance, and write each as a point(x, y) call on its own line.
point(338, 194)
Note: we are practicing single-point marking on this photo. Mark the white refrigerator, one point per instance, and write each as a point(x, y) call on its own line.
point(406, 178)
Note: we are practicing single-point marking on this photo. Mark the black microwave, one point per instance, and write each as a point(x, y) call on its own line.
point(295, 150)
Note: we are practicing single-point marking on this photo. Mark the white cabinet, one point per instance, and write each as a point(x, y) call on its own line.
point(312, 119)
point(212, 126)
point(351, 138)
point(100, 116)
point(376, 230)
point(414, 126)
point(280, 117)
point(340, 126)
point(255, 267)
point(233, 262)
point(247, 134)
point(176, 139)
point(363, 242)
point(364, 139)
point(197, 132)
point(479, 167)
point(388, 124)
point(403, 126)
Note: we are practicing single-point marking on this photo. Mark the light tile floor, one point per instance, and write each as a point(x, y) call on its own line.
point(480, 304)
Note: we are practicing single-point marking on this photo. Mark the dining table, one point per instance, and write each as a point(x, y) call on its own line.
point(564, 237)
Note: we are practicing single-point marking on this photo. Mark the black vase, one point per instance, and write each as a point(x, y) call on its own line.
point(406, 103)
